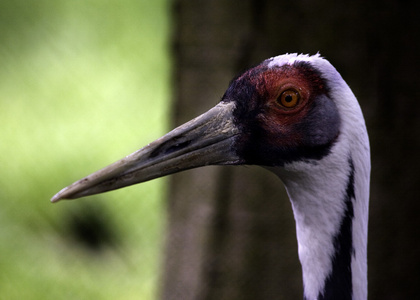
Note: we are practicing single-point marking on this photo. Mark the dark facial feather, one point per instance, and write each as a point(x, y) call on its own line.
point(272, 134)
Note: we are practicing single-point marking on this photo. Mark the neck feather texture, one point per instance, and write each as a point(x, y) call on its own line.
point(330, 204)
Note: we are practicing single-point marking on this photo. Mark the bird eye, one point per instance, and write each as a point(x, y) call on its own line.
point(289, 98)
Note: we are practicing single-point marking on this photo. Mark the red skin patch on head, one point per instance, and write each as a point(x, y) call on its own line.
point(279, 122)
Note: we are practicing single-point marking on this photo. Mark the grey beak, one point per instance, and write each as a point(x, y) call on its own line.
point(205, 140)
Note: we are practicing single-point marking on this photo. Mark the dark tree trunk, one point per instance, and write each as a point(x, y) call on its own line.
point(231, 233)
point(229, 227)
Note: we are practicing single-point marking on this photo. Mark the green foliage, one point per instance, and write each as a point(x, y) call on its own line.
point(82, 83)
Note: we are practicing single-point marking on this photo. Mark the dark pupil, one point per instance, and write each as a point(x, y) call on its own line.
point(288, 98)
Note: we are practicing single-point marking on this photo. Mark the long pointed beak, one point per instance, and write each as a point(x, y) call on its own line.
point(205, 140)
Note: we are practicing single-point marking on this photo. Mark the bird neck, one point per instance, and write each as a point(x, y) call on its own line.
point(330, 206)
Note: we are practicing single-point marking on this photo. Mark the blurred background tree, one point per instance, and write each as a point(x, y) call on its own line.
point(231, 230)
point(83, 83)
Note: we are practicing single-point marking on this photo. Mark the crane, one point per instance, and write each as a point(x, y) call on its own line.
point(294, 115)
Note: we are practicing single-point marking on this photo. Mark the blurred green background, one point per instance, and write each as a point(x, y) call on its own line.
point(82, 83)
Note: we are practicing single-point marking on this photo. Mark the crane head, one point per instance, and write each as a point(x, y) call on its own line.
point(281, 111)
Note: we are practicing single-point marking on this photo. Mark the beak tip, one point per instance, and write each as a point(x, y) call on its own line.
point(56, 198)
point(59, 196)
